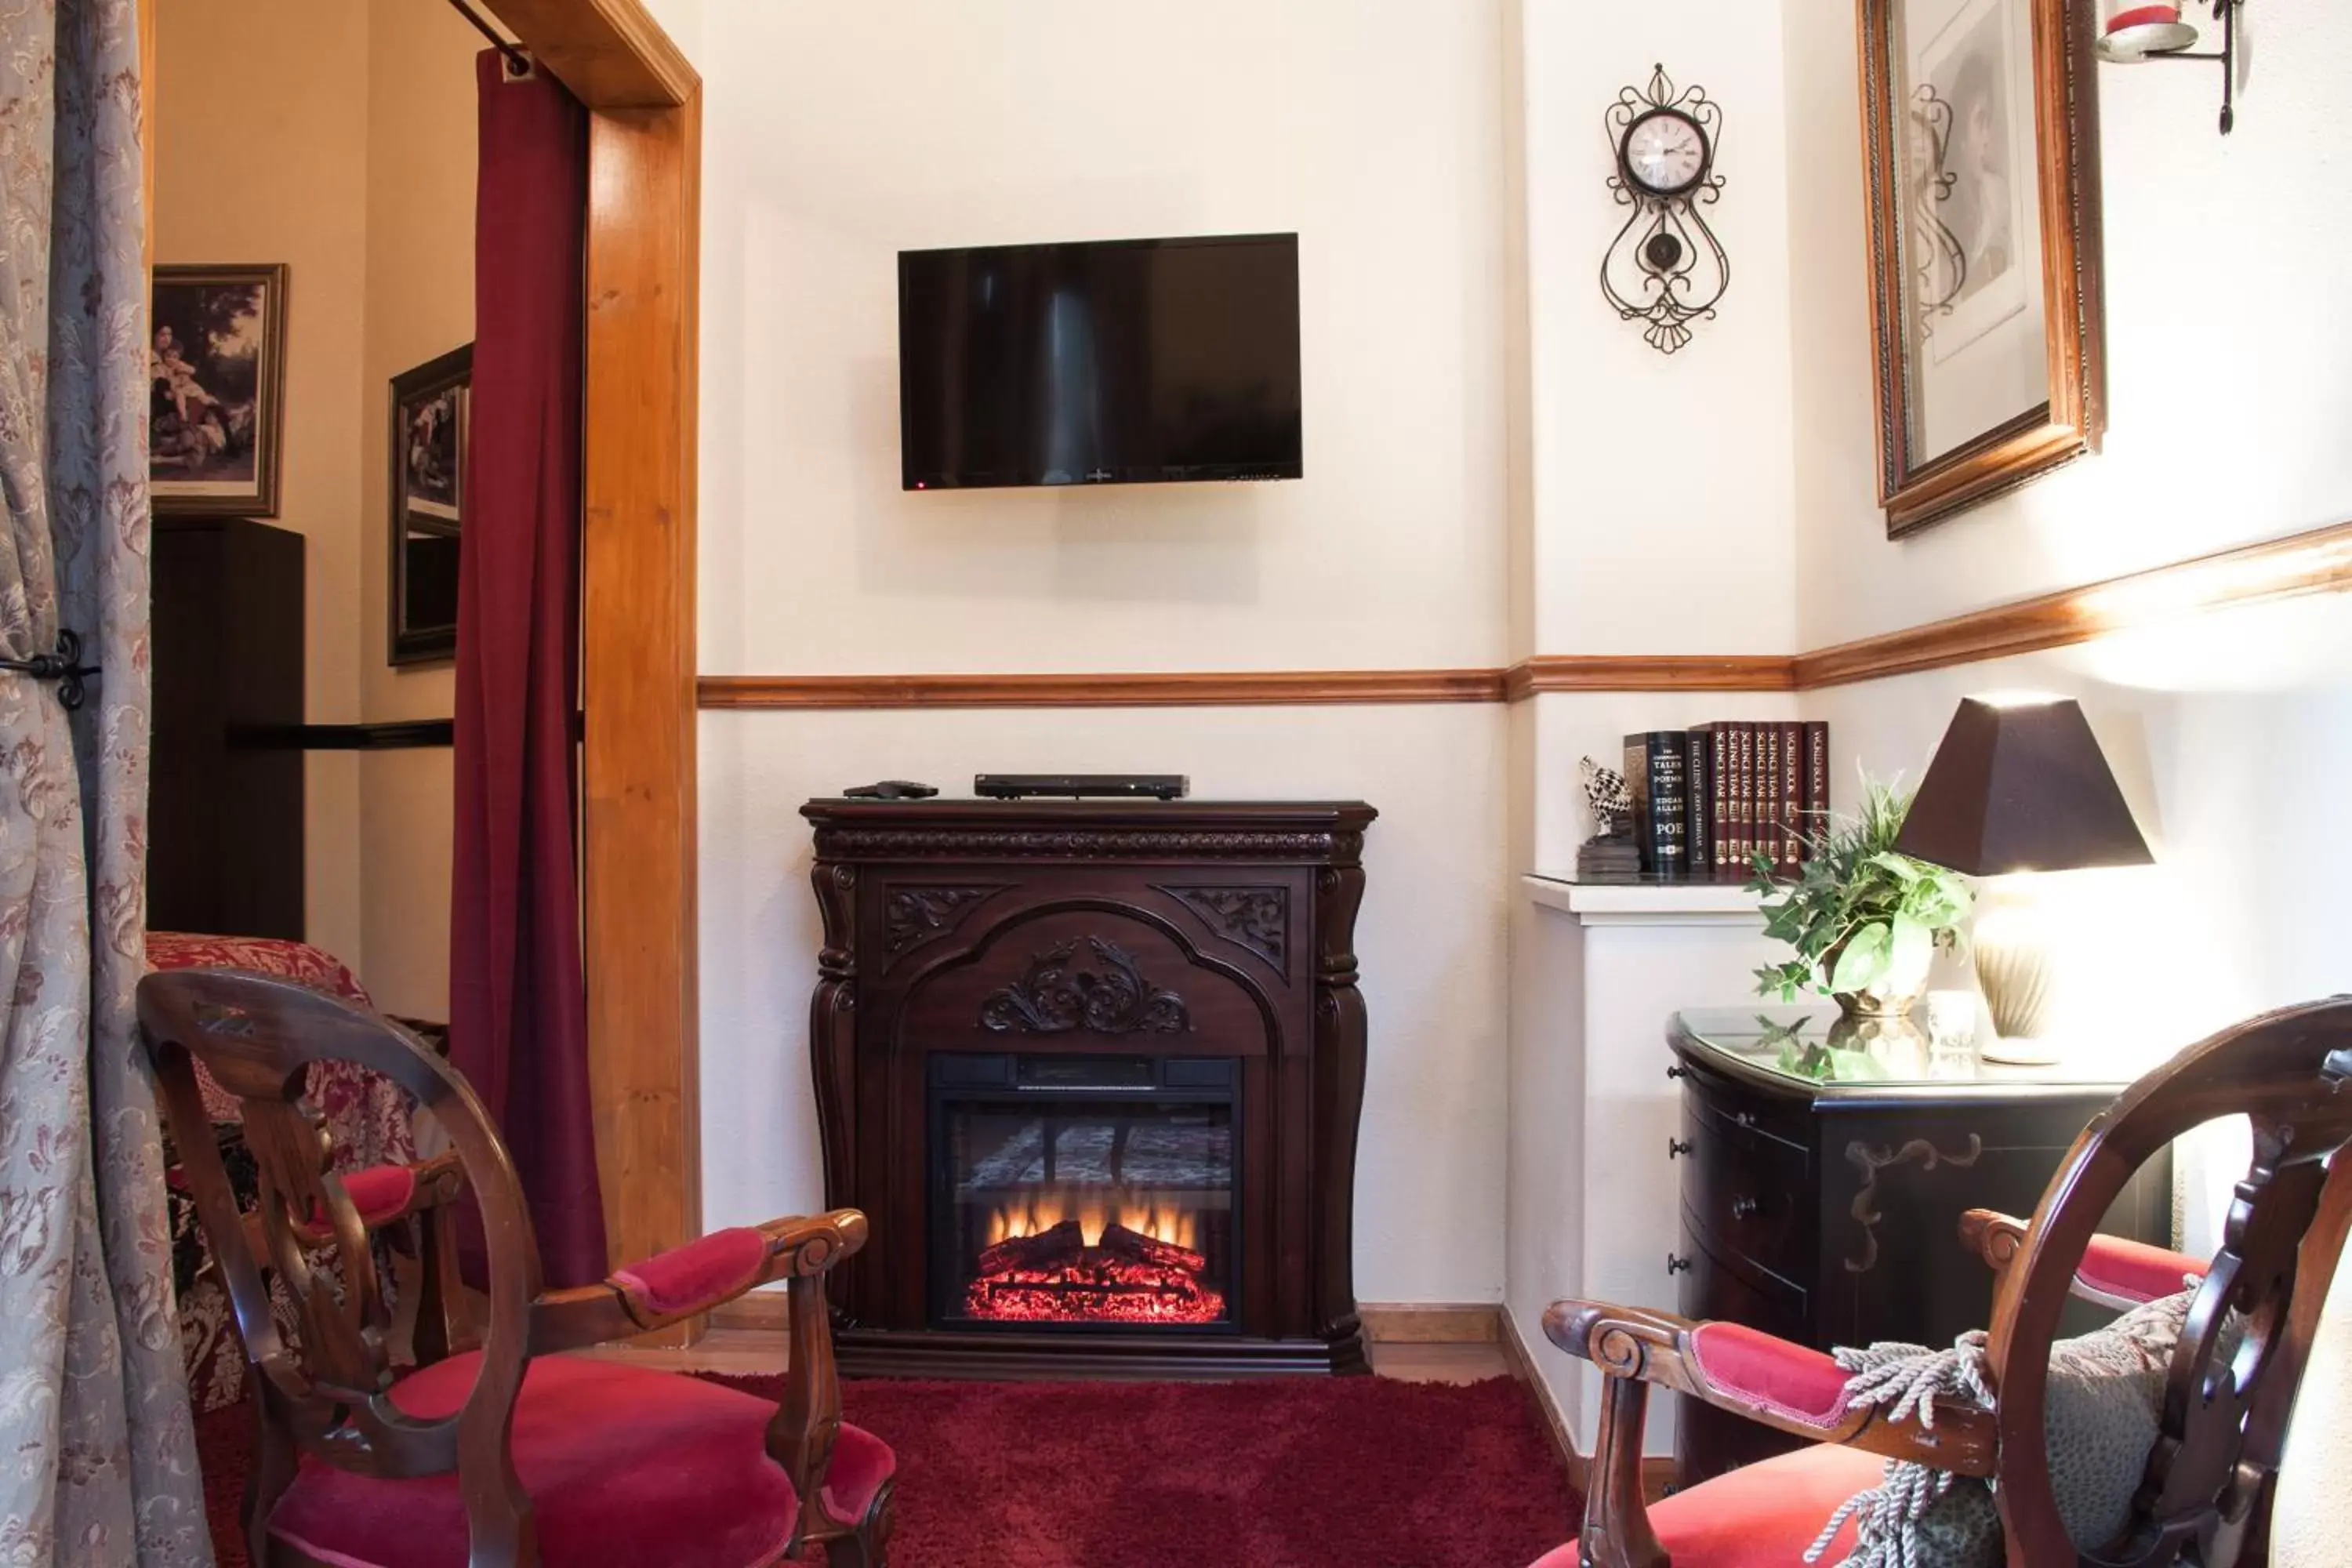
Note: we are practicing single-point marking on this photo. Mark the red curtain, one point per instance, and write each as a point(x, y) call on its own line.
point(518, 1005)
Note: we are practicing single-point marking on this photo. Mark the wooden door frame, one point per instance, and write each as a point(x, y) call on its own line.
point(638, 605)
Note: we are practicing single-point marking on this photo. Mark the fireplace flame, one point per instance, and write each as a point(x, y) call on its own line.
point(1159, 1215)
point(1079, 1253)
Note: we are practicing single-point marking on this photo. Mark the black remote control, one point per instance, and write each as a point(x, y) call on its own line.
point(890, 789)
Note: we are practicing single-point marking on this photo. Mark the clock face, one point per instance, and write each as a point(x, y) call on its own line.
point(1664, 152)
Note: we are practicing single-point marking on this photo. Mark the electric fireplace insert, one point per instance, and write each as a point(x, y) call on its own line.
point(1093, 1069)
point(1084, 1192)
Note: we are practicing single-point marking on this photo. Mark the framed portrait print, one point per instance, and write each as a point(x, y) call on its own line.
point(216, 381)
point(426, 519)
point(1981, 137)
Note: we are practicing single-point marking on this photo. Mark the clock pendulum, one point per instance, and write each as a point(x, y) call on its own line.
point(1665, 268)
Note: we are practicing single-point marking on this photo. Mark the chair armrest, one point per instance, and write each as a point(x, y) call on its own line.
point(2113, 1272)
point(1994, 1237)
point(686, 1281)
point(384, 1196)
point(1771, 1381)
point(2126, 1273)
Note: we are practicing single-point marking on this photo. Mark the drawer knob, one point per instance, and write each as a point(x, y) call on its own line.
point(1743, 1209)
point(1677, 1072)
point(1676, 1265)
point(1676, 1147)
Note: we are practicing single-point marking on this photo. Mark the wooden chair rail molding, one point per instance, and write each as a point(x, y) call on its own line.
point(1648, 672)
point(1185, 690)
point(2317, 561)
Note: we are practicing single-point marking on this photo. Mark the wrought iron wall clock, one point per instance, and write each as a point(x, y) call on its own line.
point(1665, 268)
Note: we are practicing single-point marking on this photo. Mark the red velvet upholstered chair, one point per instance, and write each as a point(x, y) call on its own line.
point(2206, 1497)
point(495, 1453)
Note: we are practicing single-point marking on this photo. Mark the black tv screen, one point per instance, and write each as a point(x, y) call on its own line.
point(1119, 362)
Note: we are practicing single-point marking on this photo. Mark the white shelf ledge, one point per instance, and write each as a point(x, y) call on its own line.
point(1646, 903)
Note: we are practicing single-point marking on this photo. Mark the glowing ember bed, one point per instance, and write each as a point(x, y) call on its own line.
point(1083, 1190)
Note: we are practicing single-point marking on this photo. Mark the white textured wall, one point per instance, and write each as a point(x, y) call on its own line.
point(258, 154)
point(361, 181)
point(421, 157)
point(836, 136)
point(1662, 497)
point(2227, 417)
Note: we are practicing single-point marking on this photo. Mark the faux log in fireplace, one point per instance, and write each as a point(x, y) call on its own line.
point(1094, 1071)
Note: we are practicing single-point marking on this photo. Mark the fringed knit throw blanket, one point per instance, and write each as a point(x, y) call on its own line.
point(2106, 1394)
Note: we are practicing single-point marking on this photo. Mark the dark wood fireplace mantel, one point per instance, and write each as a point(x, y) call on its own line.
point(1123, 932)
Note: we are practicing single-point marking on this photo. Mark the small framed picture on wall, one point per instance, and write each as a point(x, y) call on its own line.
point(426, 522)
point(216, 381)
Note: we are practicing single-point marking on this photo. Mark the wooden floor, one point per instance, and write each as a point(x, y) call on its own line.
point(751, 1352)
point(1440, 1362)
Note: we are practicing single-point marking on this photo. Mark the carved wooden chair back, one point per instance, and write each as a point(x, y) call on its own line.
point(256, 1036)
point(2206, 1494)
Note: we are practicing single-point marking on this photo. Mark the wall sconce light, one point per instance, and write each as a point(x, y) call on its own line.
point(2135, 32)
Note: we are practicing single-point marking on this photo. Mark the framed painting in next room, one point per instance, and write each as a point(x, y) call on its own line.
point(1981, 131)
point(216, 385)
point(429, 408)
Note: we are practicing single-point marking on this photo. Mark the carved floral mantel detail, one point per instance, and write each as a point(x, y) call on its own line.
point(914, 915)
point(1255, 918)
point(1060, 994)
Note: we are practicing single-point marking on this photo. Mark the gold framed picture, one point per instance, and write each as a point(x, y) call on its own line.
point(1980, 136)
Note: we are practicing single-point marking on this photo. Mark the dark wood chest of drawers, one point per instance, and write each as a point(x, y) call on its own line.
point(1822, 1190)
point(225, 807)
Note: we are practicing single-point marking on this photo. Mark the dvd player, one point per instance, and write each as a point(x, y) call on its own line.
point(1115, 786)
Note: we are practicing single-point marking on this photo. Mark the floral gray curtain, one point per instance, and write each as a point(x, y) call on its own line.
point(97, 1452)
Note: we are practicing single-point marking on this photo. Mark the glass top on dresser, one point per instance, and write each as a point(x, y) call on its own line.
point(1816, 1047)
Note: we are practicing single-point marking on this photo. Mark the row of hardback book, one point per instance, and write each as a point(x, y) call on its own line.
point(1708, 801)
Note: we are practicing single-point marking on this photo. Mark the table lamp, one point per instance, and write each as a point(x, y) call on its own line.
point(2019, 785)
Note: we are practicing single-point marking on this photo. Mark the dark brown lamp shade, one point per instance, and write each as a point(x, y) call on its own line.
point(2021, 786)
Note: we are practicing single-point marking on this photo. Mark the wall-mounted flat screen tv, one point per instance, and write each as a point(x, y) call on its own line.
point(1117, 362)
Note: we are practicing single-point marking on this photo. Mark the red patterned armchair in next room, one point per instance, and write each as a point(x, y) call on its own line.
point(496, 1452)
point(2229, 1387)
point(366, 1118)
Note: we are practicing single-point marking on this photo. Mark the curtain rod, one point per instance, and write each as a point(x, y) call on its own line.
point(518, 62)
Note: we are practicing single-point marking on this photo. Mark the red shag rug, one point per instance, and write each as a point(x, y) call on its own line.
point(1359, 1472)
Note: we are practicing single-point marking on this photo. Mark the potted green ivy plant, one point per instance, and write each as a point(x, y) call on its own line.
point(1866, 921)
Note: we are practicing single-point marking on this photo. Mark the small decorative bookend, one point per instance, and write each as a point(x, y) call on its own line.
point(1610, 855)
